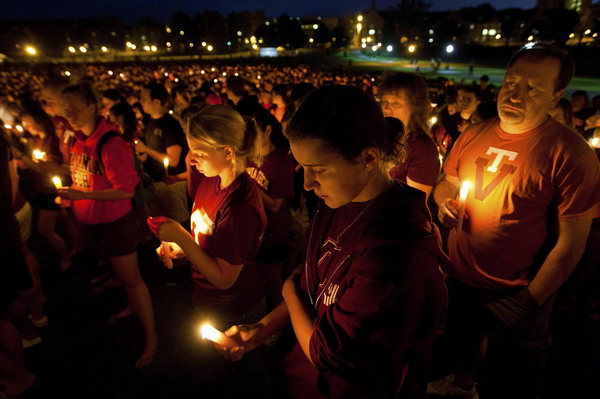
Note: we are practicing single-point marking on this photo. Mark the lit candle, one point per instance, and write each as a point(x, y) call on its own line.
point(595, 142)
point(38, 155)
point(167, 251)
point(19, 128)
point(166, 163)
point(462, 202)
point(57, 182)
point(212, 334)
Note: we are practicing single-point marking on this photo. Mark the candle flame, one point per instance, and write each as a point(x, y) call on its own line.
point(595, 141)
point(38, 155)
point(166, 162)
point(209, 332)
point(464, 189)
point(57, 182)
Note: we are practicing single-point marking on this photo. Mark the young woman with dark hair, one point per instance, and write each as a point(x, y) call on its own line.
point(370, 292)
point(45, 162)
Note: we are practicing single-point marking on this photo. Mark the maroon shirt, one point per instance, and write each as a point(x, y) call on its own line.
point(229, 224)
point(276, 177)
point(422, 164)
point(377, 290)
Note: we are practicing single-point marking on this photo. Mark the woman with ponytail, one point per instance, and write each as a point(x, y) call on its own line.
point(370, 293)
point(227, 224)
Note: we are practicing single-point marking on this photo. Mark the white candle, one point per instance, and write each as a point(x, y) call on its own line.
point(212, 334)
point(57, 182)
point(167, 251)
point(166, 163)
point(462, 202)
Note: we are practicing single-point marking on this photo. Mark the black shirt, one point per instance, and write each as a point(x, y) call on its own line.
point(161, 134)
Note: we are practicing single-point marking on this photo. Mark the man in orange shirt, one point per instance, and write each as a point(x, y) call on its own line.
point(535, 192)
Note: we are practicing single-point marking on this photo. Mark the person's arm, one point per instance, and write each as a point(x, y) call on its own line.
point(444, 195)
point(14, 180)
point(562, 259)
point(42, 167)
point(251, 336)
point(101, 195)
point(217, 271)
point(423, 187)
point(299, 311)
point(173, 153)
point(270, 203)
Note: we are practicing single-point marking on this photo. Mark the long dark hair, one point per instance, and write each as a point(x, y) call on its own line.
point(125, 110)
point(348, 120)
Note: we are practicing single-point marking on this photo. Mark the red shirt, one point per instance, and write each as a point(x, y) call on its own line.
point(276, 177)
point(88, 175)
point(422, 164)
point(522, 186)
point(229, 224)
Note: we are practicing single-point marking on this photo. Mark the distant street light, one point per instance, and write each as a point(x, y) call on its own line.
point(72, 49)
point(389, 48)
point(449, 48)
point(31, 50)
point(412, 48)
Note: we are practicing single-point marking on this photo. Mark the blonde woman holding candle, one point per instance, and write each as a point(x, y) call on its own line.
point(227, 224)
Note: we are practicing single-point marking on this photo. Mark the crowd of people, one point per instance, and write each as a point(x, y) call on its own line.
point(367, 214)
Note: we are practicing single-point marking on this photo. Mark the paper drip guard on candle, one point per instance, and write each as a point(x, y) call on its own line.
point(154, 224)
point(212, 334)
point(462, 202)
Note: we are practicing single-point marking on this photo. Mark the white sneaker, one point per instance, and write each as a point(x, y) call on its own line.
point(447, 387)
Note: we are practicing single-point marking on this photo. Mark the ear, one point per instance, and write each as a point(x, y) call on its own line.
point(370, 158)
point(268, 131)
point(229, 152)
point(556, 96)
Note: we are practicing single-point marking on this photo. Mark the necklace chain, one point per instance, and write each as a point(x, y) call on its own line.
point(354, 221)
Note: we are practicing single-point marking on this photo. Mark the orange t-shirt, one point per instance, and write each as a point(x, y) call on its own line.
point(522, 185)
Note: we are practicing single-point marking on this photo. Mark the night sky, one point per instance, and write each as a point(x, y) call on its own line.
point(132, 10)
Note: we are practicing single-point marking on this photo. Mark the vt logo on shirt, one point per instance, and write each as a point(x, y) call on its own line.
point(328, 246)
point(329, 296)
point(201, 223)
point(501, 171)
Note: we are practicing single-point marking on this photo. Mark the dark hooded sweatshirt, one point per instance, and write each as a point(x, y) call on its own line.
point(373, 277)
